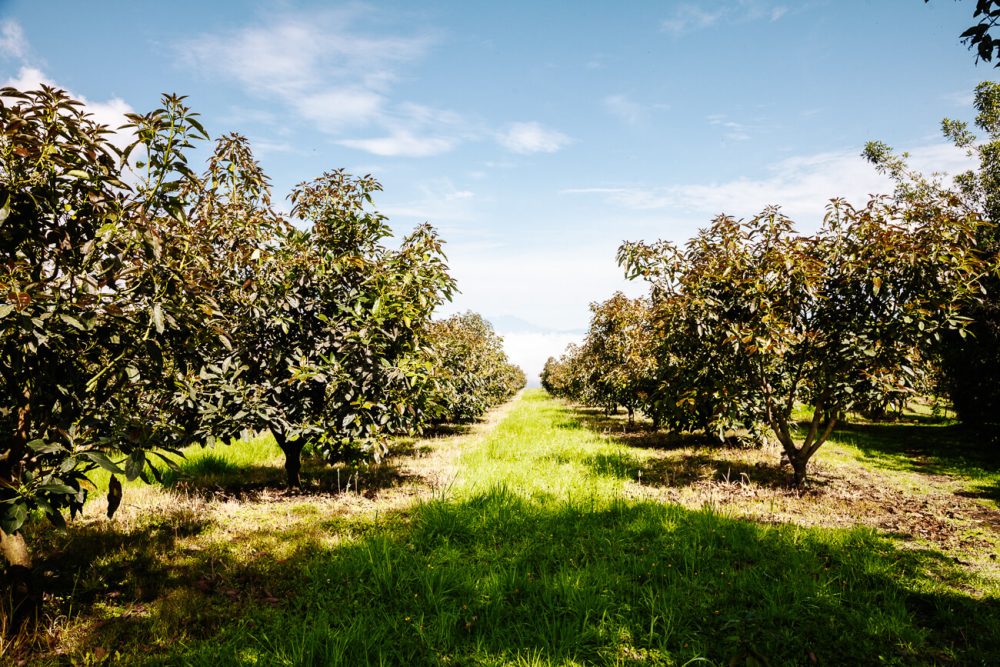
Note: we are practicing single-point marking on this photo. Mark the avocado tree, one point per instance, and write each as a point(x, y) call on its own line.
point(619, 346)
point(565, 377)
point(969, 363)
point(826, 321)
point(104, 301)
point(328, 335)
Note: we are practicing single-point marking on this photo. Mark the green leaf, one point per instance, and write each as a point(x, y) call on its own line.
point(57, 487)
point(101, 459)
point(134, 464)
point(41, 447)
point(72, 321)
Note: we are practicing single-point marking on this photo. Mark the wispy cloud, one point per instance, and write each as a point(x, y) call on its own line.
point(12, 41)
point(402, 143)
point(687, 18)
point(340, 78)
point(733, 130)
point(334, 75)
point(439, 200)
point(802, 186)
point(532, 137)
point(625, 109)
point(960, 98)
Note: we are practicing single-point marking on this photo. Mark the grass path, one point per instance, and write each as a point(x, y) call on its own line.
point(527, 541)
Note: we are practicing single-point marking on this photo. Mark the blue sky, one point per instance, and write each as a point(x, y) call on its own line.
point(535, 136)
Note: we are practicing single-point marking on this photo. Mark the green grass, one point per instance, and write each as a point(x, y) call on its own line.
point(536, 553)
point(928, 449)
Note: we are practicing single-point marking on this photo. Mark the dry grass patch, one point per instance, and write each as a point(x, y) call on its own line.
point(181, 561)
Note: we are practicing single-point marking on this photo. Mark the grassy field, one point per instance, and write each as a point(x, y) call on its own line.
point(549, 535)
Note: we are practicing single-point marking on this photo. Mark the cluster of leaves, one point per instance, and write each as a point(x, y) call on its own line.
point(473, 373)
point(978, 36)
point(147, 307)
point(969, 364)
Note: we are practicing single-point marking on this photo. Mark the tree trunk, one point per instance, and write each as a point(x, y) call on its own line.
point(631, 415)
point(25, 601)
point(293, 458)
point(799, 463)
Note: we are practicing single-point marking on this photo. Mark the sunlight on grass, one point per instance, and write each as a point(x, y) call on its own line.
point(219, 464)
point(537, 555)
point(539, 453)
point(530, 544)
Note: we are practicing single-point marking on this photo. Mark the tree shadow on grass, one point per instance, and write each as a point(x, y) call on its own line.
point(707, 462)
point(700, 467)
point(497, 579)
point(213, 476)
point(643, 435)
point(941, 450)
point(156, 579)
point(619, 465)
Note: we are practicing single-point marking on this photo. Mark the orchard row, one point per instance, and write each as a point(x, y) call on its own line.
point(147, 307)
point(752, 322)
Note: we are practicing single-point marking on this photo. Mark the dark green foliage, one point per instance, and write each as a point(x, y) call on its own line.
point(102, 314)
point(146, 313)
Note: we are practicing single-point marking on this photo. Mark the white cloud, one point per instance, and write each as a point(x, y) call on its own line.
point(689, 17)
point(625, 109)
point(734, 131)
point(802, 186)
point(12, 41)
point(531, 137)
point(402, 143)
point(329, 72)
point(29, 78)
point(334, 109)
point(291, 55)
point(439, 201)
